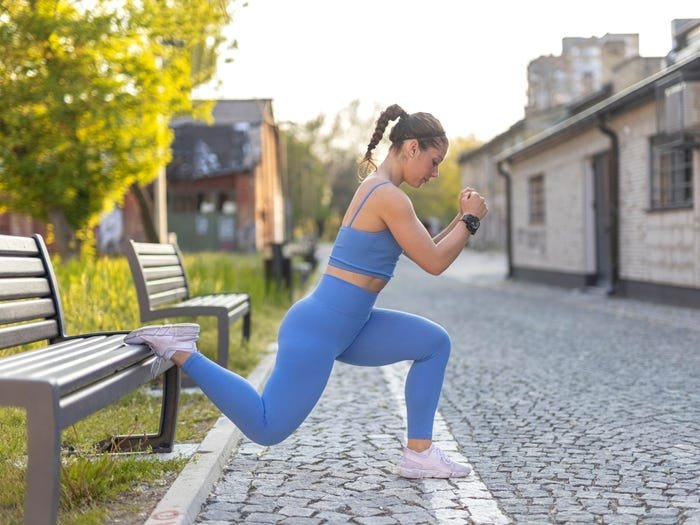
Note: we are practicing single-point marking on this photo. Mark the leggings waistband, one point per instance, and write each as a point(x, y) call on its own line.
point(344, 297)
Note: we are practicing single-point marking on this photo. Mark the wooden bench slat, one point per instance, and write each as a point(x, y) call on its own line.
point(146, 248)
point(164, 285)
point(12, 245)
point(28, 333)
point(51, 354)
point(17, 311)
point(162, 272)
point(24, 287)
point(21, 267)
point(167, 297)
point(149, 261)
point(223, 300)
point(98, 358)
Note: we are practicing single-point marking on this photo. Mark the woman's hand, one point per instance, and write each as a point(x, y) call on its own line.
point(470, 201)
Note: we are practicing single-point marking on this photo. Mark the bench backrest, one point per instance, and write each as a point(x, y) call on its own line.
point(30, 304)
point(158, 273)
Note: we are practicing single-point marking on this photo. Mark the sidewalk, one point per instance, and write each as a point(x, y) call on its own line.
point(571, 407)
point(339, 467)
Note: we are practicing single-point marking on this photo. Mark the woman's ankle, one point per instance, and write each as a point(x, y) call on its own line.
point(419, 445)
point(179, 358)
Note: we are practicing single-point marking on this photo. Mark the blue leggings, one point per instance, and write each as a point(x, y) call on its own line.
point(337, 321)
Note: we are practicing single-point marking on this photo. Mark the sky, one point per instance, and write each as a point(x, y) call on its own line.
point(463, 61)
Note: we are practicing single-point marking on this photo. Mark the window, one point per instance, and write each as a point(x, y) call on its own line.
point(671, 172)
point(536, 199)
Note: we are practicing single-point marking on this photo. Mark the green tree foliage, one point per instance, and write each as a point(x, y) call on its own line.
point(322, 157)
point(309, 188)
point(87, 96)
point(438, 198)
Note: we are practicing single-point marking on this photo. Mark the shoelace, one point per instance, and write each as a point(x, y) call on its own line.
point(443, 457)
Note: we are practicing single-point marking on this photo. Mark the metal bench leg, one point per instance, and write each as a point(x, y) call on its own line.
point(164, 440)
point(247, 325)
point(222, 350)
point(44, 458)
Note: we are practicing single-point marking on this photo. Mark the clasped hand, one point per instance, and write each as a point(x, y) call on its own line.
point(471, 202)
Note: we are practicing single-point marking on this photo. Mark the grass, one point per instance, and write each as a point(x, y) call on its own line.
point(98, 294)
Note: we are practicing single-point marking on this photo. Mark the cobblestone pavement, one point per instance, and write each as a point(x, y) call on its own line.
point(571, 407)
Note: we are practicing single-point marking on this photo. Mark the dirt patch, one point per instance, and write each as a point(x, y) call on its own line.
point(134, 507)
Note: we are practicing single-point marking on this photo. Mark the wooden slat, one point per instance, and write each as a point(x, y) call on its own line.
point(162, 272)
point(17, 311)
point(167, 297)
point(145, 248)
point(24, 288)
point(27, 333)
point(53, 353)
point(226, 300)
point(76, 366)
point(164, 285)
point(149, 261)
point(21, 267)
point(13, 245)
point(83, 372)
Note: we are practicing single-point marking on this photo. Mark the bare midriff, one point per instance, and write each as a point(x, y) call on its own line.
point(373, 284)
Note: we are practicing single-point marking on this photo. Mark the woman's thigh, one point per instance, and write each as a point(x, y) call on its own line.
point(390, 336)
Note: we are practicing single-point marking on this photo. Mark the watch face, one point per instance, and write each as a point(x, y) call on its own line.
point(472, 223)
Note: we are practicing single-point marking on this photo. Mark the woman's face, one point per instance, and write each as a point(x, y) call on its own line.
point(422, 165)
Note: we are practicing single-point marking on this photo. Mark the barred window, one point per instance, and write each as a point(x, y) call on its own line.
point(536, 199)
point(671, 173)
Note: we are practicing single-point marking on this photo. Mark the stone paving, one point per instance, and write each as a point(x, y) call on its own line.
point(571, 407)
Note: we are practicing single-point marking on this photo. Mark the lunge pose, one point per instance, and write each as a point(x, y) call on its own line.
point(338, 321)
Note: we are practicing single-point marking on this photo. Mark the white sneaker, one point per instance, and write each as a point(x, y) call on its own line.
point(431, 463)
point(165, 340)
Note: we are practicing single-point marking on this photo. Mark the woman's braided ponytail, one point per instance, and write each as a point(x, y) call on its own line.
point(389, 114)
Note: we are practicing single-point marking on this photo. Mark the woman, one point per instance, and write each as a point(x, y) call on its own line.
point(338, 320)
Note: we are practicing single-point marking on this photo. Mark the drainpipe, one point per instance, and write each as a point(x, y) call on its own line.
point(614, 201)
point(509, 214)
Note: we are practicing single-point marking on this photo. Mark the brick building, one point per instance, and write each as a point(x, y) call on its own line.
point(605, 194)
point(609, 197)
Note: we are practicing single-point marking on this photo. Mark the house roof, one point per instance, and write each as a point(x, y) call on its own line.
point(208, 151)
point(233, 111)
point(629, 96)
point(232, 144)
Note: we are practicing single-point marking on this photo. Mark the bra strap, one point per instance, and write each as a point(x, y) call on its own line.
point(365, 200)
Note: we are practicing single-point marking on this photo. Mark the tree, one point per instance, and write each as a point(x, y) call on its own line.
point(87, 97)
point(309, 188)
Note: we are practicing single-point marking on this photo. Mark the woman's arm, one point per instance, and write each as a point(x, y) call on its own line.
point(433, 257)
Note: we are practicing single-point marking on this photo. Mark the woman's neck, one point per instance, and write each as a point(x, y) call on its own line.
point(390, 170)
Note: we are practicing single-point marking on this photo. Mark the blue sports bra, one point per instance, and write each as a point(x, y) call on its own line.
point(369, 253)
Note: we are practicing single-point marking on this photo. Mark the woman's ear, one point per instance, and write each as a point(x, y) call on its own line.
point(412, 147)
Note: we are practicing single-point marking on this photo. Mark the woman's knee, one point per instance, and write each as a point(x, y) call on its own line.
point(443, 343)
point(439, 344)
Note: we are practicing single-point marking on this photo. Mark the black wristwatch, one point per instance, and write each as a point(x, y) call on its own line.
point(472, 222)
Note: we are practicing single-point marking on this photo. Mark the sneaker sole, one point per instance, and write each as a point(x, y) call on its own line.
point(423, 474)
point(178, 330)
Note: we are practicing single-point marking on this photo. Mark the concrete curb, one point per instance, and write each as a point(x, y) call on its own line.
point(184, 499)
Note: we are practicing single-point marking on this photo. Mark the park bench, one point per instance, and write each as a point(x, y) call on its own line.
point(66, 378)
point(163, 292)
point(284, 260)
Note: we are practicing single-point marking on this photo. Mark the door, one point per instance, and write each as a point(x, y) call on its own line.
point(603, 224)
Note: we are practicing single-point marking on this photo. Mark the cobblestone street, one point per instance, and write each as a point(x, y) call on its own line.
point(571, 407)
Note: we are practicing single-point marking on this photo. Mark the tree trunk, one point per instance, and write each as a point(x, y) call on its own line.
point(146, 209)
point(64, 235)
